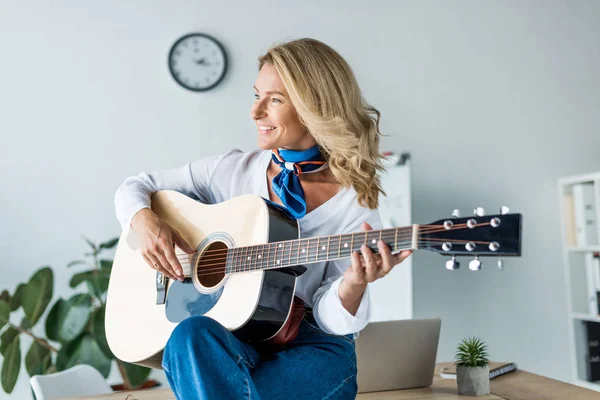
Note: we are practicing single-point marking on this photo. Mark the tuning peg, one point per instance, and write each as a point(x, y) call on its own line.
point(475, 265)
point(452, 264)
point(504, 210)
point(479, 211)
point(456, 213)
point(500, 263)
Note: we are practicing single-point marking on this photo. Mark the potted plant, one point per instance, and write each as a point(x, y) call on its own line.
point(74, 327)
point(472, 368)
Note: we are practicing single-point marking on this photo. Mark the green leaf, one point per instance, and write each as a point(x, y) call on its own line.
point(5, 297)
point(103, 280)
point(98, 331)
point(76, 262)
point(53, 319)
point(83, 350)
point(38, 294)
point(4, 314)
point(81, 277)
point(37, 359)
point(137, 374)
point(11, 366)
point(472, 352)
point(110, 244)
point(15, 302)
point(7, 338)
point(25, 324)
point(74, 317)
point(97, 281)
point(106, 264)
point(92, 245)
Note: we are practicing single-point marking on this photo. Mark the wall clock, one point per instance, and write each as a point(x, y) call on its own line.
point(197, 62)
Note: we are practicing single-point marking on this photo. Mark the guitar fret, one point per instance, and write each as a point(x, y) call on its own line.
point(233, 260)
point(280, 259)
point(249, 259)
point(242, 259)
point(237, 259)
point(344, 245)
point(307, 250)
point(317, 252)
point(258, 257)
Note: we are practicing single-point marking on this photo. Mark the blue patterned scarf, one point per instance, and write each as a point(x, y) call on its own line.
point(287, 183)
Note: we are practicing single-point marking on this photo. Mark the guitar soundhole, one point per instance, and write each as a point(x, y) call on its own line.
point(211, 267)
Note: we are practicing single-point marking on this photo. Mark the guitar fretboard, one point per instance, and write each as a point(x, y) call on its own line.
point(317, 249)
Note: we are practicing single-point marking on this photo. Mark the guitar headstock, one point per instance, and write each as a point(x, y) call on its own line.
point(479, 236)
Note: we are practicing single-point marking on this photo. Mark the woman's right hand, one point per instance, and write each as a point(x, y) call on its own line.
point(157, 238)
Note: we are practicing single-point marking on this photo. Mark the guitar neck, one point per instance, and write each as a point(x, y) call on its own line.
point(317, 249)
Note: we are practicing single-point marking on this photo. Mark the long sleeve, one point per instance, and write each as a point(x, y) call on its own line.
point(193, 180)
point(331, 315)
point(329, 312)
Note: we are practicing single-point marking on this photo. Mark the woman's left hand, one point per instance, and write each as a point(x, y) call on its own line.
point(369, 266)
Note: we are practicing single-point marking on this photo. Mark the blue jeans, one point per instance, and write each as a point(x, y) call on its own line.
point(203, 360)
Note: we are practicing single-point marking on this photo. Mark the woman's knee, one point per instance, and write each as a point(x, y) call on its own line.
point(194, 328)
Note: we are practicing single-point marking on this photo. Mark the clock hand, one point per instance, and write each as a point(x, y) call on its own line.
point(202, 62)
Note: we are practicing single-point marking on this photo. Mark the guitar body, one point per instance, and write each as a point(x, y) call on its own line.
point(143, 308)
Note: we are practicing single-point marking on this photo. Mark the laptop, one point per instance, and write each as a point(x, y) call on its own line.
point(393, 355)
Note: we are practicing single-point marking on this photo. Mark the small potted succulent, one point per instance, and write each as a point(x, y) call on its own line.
point(472, 368)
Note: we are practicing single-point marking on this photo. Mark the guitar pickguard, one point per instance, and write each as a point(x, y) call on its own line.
point(183, 301)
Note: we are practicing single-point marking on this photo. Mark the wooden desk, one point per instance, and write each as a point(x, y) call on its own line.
point(517, 385)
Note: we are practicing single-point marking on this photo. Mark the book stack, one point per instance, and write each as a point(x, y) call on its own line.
point(592, 276)
point(496, 369)
point(593, 351)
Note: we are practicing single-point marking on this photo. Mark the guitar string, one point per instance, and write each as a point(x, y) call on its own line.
point(407, 231)
point(286, 262)
point(309, 256)
point(296, 242)
point(293, 247)
point(223, 270)
point(243, 252)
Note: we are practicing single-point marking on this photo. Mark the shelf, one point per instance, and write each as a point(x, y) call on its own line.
point(583, 249)
point(585, 317)
point(588, 385)
point(570, 180)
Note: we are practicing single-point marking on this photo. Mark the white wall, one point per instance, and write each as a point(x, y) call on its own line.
point(494, 100)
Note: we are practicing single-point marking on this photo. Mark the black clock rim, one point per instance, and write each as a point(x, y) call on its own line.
point(215, 41)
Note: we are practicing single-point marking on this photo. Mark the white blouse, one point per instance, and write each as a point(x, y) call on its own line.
point(218, 178)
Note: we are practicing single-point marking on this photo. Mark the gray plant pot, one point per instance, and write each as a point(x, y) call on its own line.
point(473, 381)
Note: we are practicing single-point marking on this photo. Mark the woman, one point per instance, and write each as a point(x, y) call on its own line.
point(318, 147)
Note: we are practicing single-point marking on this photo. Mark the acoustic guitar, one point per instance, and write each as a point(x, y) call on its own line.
point(248, 256)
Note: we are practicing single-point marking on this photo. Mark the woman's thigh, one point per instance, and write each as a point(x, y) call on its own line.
point(316, 365)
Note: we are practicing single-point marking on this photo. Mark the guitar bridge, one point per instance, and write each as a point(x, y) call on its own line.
point(161, 288)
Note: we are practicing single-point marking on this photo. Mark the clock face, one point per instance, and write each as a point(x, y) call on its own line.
point(197, 62)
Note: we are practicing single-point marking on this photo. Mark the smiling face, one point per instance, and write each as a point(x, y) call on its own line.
point(275, 116)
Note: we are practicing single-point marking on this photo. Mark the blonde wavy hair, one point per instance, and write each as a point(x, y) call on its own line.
point(329, 103)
